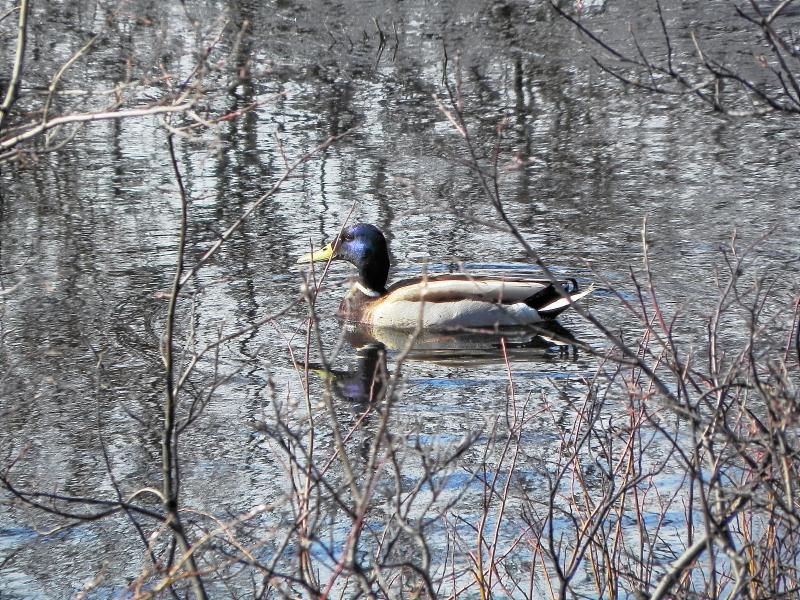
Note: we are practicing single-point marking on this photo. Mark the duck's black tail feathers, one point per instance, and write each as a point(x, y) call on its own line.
point(550, 303)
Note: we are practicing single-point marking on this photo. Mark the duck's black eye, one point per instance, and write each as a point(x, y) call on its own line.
point(347, 237)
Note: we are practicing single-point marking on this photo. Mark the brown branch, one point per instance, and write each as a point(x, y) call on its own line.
point(16, 73)
point(690, 555)
point(8, 143)
point(60, 73)
point(169, 439)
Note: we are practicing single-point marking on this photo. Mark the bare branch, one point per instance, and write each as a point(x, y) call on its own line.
point(16, 73)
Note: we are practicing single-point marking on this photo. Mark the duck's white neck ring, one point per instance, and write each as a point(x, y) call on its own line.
point(366, 291)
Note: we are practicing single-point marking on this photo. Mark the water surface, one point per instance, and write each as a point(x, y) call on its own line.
point(91, 232)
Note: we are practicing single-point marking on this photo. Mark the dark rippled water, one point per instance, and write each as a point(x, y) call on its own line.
point(89, 232)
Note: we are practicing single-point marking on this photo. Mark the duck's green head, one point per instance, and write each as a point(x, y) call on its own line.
point(362, 245)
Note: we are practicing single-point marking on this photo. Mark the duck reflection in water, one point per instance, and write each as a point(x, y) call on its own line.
point(472, 347)
point(366, 382)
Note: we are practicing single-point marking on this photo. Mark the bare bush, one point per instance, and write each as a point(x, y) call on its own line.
point(674, 474)
point(764, 81)
point(44, 111)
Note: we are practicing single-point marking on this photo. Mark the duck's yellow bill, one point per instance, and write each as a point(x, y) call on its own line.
point(320, 256)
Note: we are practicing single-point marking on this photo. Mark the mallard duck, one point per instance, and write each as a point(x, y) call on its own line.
point(436, 302)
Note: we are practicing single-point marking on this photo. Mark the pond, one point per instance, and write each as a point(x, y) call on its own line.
point(89, 237)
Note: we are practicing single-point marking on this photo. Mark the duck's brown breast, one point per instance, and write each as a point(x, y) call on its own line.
point(354, 305)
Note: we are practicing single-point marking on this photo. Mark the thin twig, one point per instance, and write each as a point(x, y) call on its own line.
point(19, 58)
